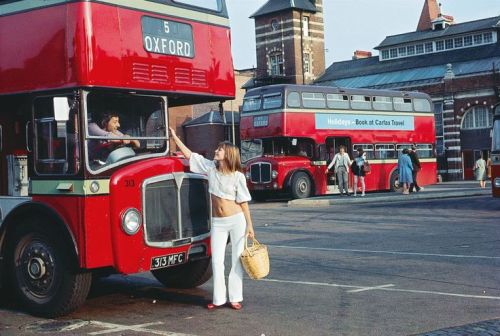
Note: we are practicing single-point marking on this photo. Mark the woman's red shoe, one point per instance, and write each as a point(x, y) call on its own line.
point(211, 306)
point(235, 305)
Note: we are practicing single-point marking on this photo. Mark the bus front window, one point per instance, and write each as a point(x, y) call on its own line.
point(495, 143)
point(121, 127)
point(251, 149)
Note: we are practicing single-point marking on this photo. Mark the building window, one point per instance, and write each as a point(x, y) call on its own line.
point(477, 117)
point(394, 53)
point(439, 45)
point(429, 47)
point(419, 48)
point(488, 37)
point(305, 25)
point(449, 44)
point(402, 51)
point(276, 62)
point(385, 54)
point(459, 42)
point(411, 50)
point(478, 39)
point(467, 41)
point(307, 63)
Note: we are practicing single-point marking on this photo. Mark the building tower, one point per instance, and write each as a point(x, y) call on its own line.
point(289, 42)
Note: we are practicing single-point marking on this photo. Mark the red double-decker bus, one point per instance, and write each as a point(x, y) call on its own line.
point(76, 197)
point(495, 153)
point(290, 132)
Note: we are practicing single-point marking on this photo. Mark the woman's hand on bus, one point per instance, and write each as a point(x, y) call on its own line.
point(172, 132)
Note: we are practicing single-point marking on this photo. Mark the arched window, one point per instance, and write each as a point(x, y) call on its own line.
point(477, 117)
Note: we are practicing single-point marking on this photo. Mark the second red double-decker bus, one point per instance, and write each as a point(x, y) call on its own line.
point(78, 197)
point(290, 132)
point(495, 153)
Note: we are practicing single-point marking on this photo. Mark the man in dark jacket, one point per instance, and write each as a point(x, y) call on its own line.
point(416, 168)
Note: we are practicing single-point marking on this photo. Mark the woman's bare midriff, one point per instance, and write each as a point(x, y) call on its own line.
point(223, 207)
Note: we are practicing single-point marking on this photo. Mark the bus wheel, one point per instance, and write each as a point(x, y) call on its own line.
point(42, 275)
point(394, 181)
point(189, 275)
point(301, 185)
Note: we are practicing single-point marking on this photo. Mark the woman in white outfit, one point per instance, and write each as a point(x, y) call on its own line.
point(230, 216)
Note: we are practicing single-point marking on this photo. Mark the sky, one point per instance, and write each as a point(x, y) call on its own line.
point(352, 24)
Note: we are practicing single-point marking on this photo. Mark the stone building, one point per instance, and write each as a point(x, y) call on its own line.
point(457, 64)
point(289, 41)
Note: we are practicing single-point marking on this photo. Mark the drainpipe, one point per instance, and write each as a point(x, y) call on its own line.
point(302, 46)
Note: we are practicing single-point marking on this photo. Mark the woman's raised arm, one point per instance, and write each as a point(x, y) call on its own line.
point(185, 151)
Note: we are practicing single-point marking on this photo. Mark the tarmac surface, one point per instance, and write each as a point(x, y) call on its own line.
point(435, 191)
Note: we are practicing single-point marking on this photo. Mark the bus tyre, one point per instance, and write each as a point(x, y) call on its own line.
point(394, 181)
point(192, 274)
point(42, 274)
point(301, 185)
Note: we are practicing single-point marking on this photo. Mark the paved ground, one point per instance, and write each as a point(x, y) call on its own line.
point(436, 191)
point(396, 266)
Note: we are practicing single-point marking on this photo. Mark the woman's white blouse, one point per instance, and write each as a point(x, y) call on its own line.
point(231, 186)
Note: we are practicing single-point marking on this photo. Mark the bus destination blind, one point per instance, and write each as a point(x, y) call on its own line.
point(167, 37)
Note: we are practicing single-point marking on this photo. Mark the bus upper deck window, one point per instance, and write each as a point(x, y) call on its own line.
point(402, 104)
point(313, 100)
point(214, 5)
point(360, 102)
point(336, 100)
point(422, 105)
point(272, 101)
point(251, 104)
point(293, 99)
point(382, 103)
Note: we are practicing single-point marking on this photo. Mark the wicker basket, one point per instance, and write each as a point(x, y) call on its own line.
point(255, 260)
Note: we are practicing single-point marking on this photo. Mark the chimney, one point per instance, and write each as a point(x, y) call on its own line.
point(359, 54)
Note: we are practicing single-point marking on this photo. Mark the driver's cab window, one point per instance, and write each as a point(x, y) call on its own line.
point(123, 127)
point(56, 136)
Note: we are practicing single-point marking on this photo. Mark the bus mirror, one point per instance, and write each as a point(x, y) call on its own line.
point(61, 108)
point(294, 142)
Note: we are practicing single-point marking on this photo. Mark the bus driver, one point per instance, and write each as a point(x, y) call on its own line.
point(109, 128)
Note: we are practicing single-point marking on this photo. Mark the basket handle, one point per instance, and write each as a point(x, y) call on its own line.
point(255, 242)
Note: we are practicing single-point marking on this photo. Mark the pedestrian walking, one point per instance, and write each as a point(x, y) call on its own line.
point(358, 170)
point(230, 216)
point(405, 168)
point(341, 161)
point(480, 171)
point(415, 161)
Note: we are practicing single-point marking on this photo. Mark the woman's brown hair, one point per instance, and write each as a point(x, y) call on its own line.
point(232, 158)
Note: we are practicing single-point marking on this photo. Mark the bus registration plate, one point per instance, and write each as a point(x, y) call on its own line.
point(167, 37)
point(168, 260)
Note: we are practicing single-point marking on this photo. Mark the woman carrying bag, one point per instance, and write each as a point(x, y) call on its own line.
point(230, 216)
point(358, 169)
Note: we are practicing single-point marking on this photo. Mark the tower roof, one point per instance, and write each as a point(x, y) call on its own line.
point(273, 6)
point(430, 12)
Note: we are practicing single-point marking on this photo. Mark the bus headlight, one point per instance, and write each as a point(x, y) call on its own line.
point(274, 174)
point(131, 221)
point(496, 181)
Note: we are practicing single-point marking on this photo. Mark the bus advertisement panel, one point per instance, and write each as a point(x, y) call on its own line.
point(87, 185)
point(289, 133)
